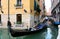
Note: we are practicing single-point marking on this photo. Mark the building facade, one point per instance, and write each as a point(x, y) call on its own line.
point(42, 7)
point(22, 13)
point(55, 9)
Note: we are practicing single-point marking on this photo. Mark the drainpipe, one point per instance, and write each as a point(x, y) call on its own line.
point(9, 23)
point(8, 11)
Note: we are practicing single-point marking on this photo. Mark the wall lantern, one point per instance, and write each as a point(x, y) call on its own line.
point(2, 11)
point(25, 11)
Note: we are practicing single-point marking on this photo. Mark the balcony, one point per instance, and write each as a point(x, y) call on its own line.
point(19, 26)
point(19, 6)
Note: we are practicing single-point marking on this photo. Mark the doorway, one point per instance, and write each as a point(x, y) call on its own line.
point(19, 18)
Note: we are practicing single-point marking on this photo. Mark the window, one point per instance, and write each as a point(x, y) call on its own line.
point(19, 2)
point(0, 3)
point(35, 4)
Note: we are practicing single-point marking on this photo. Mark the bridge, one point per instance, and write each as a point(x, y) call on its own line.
point(49, 18)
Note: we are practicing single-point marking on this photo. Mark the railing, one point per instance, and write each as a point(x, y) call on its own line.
point(19, 6)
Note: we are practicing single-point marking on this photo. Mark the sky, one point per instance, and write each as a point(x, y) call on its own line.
point(48, 5)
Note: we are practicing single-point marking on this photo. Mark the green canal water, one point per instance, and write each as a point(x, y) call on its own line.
point(49, 33)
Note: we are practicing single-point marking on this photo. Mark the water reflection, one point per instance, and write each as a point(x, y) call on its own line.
point(49, 33)
point(0, 34)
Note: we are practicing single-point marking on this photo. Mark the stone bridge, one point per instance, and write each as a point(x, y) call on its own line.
point(49, 18)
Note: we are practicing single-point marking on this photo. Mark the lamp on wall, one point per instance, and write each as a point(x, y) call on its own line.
point(25, 11)
point(2, 11)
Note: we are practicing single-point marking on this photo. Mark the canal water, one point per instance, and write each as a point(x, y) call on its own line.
point(49, 33)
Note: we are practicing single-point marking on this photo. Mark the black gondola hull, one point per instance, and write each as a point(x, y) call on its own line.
point(15, 33)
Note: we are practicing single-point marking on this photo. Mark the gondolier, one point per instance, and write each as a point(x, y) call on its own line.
point(46, 18)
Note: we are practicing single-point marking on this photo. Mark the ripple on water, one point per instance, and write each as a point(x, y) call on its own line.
point(48, 34)
point(44, 34)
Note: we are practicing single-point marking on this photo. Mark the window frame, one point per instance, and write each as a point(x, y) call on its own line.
point(19, 2)
point(19, 6)
point(0, 3)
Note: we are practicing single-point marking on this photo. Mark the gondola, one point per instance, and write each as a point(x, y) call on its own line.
point(16, 33)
